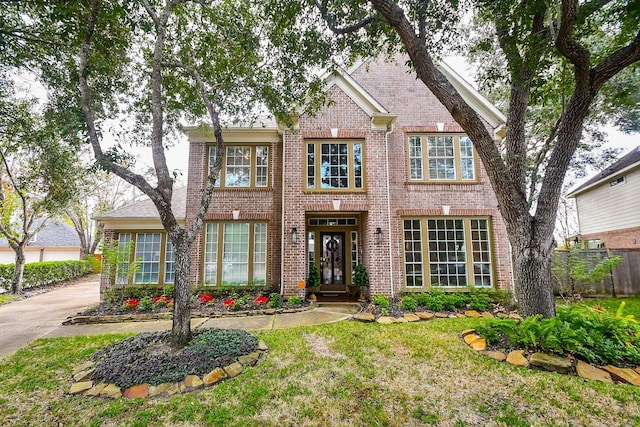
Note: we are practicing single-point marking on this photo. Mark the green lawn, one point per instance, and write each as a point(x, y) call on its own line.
point(340, 374)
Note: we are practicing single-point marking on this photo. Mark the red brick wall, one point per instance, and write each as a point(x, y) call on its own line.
point(628, 238)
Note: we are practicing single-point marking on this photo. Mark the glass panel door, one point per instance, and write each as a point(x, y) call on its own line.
point(332, 261)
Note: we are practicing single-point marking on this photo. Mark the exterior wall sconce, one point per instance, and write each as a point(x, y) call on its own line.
point(294, 235)
point(379, 235)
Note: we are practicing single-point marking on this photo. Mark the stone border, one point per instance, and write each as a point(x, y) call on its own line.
point(425, 315)
point(149, 317)
point(82, 383)
point(554, 363)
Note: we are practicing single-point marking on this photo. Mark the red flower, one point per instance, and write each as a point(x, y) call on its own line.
point(205, 298)
point(161, 301)
point(597, 307)
point(262, 300)
point(131, 303)
point(228, 303)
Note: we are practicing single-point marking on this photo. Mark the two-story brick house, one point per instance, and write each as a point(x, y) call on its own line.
point(382, 176)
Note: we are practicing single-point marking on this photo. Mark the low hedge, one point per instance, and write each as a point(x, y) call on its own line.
point(45, 273)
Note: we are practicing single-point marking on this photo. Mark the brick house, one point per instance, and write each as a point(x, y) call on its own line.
point(382, 176)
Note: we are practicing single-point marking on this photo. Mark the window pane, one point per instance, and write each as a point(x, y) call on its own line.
point(311, 166)
point(147, 253)
point(212, 160)
point(447, 252)
point(413, 252)
point(124, 258)
point(441, 158)
point(415, 157)
point(260, 254)
point(480, 252)
point(466, 158)
point(357, 165)
point(238, 172)
point(169, 263)
point(334, 172)
point(262, 166)
point(235, 254)
point(211, 255)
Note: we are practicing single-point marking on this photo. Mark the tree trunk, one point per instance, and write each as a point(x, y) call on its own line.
point(18, 272)
point(181, 330)
point(534, 288)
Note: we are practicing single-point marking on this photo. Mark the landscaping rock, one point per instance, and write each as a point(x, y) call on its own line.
point(515, 316)
point(233, 370)
point(262, 346)
point(472, 313)
point(249, 359)
point(365, 317)
point(479, 345)
point(83, 366)
point(386, 320)
point(411, 317)
point(95, 390)
point(83, 375)
point(424, 315)
point(467, 332)
point(589, 372)
point(164, 388)
point(470, 338)
point(625, 375)
point(79, 387)
point(214, 376)
point(496, 355)
point(551, 362)
point(501, 316)
point(192, 382)
point(138, 390)
point(516, 358)
point(111, 391)
point(400, 320)
point(460, 316)
point(441, 315)
point(270, 311)
point(487, 315)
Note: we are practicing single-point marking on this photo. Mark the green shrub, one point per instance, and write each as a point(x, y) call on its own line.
point(117, 293)
point(595, 336)
point(381, 301)
point(409, 303)
point(275, 300)
point(294, 300)
point(146, 304)
point(479, 300)
point(45, 273)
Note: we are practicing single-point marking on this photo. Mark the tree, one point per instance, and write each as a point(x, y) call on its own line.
point(38, 169)
point(596, 40)
point(163, 62)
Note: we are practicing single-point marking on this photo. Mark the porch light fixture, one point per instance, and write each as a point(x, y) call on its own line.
point(294, 235)
point(379, 235)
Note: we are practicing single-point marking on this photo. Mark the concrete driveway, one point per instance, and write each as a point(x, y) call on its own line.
point(23, 321)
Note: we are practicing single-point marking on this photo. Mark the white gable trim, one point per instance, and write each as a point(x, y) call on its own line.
point(353, 90)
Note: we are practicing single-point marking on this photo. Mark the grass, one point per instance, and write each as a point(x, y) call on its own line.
point(340, 374)
point(632, 304)
point(7, 298)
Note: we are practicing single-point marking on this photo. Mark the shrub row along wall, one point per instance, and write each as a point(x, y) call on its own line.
point(45, 273)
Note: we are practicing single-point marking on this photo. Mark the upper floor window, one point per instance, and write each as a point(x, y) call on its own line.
point(245, 166)
point(335, 166)
point(441, 158)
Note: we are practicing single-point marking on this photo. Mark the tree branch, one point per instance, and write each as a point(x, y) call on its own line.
point(332, 24)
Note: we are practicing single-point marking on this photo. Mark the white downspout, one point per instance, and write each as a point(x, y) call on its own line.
point(284, 151)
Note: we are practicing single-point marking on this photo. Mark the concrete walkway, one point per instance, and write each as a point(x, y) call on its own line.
point(41, 316)
point(23, 321)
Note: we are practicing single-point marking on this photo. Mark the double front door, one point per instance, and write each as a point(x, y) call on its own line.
point(332, 261)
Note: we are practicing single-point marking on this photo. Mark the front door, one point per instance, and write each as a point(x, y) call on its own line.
point(332, 277)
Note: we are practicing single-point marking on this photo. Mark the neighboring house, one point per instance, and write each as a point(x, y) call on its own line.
point(382, 176)
point(608, 205)
point(56, 241)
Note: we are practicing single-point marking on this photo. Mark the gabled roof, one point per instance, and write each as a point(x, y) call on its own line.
point(55, 233)
point(145, 209)
point(629, 161)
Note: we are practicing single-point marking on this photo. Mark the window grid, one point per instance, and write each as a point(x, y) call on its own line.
point(335, 166)
point(245, 166)
point(123, 261)
point(413, 253)
point(148, 254)
point(238, 171)
point(481, 252)
point(262, 166)
point(354, 253)
point(311, 166)
point(211, 255)
point(466, 158)
point(447, 255)
point(235, 253)
point(260, 253)
point(415, 157)
point(213, 155)
point(441, 158)
point(169, 263)
point(334, 171)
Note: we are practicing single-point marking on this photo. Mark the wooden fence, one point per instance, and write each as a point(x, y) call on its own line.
point(624, 278)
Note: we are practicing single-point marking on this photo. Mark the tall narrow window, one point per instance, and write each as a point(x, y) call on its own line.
point(211, 254)
point(235, 261)
point(466, 158)
point(481, 252)
point(262, 166)
point(260, 253)
point(335, 166)
point(148, 254)
point(413, 253)
point(123, 258)
point(415, 157)
point(169, 263)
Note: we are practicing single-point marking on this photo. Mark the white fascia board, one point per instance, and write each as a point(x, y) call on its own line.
point(234, 134)
point(471, 96)
point(354, 91)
